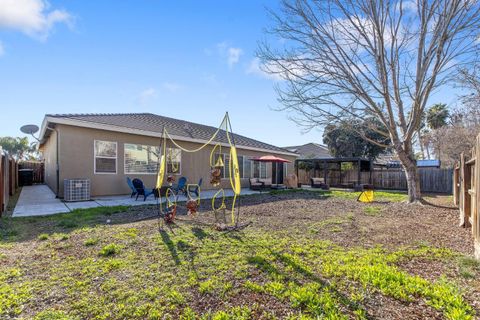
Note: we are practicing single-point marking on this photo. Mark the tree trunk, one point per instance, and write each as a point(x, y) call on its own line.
point(409, 165)
point(413, 183)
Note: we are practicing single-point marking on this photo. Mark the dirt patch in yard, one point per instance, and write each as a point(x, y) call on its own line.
point(309, 254)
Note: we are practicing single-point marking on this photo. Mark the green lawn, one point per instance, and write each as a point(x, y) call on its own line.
point(77, 266)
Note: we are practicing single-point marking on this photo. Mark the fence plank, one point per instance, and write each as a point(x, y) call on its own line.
point(475, 198)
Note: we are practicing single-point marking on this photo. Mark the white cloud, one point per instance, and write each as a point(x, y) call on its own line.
point(171, 86)
point(225, 51)
point(147, 95)
point(2, 49)
point(233, 56)
point(256, 68)
point(32, 17)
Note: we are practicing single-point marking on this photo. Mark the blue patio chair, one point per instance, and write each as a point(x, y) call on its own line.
point(141, 190)
point(182, 182)
point(195, 188)
point(130, 184)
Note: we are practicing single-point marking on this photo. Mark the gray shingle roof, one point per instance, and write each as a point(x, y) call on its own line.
point(155, 123)
point(310, 151)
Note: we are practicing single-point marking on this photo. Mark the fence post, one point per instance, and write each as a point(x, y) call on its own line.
point(456, 184)
point(461, 202)
point(476, 199)
point(2, 183)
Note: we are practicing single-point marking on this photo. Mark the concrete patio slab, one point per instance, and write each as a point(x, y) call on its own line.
point(38, 200)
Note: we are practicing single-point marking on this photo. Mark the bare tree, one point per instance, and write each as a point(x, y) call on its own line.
point(346, 59)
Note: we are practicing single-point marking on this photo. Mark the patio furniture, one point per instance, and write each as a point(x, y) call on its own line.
point(141, 190)
point(131, 186)
point(267, 183)
point(181, 186)
point(319, 183)
point(255, 184)
point(260, 184)
point(195, 188)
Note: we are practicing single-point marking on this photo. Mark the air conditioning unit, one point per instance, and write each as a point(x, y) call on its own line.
point(76, 190)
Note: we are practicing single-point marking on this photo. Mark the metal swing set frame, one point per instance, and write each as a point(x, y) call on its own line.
point(168, 214)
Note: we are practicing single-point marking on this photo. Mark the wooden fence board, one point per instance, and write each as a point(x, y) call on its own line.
point(8, 180)
point(467, 177)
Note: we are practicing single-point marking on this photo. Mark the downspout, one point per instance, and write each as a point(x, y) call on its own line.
point(57, 162)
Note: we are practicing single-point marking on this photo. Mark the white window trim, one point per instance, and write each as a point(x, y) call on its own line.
point(139, 173)
point(246, 160)
point(179, 173)
point(95, 157)
point(224, 158)
point(266, 170)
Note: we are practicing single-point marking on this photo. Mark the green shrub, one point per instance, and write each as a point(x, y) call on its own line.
point(90, 242)
point(43, 237)
point(52, 315)
point(110, 250)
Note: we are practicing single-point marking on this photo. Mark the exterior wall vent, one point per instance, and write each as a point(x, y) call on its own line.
point(76, 190)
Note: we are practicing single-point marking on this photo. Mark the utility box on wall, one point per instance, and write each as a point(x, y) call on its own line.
point(76, 190)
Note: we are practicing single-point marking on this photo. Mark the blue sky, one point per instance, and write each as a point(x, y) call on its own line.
point(190, 60)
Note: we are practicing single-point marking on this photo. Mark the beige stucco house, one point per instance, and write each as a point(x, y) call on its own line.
point(108, 148)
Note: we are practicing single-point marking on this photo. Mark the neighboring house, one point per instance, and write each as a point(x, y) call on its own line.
point(107, 148)
point(310, 151)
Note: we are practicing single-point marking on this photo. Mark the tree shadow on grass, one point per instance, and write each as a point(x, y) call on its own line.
point(298, 275)
point(199, 233)
point(170, 246)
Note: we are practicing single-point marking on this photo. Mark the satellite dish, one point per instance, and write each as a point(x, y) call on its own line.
point(29, 129)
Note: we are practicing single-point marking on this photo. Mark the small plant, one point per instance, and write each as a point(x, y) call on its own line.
point(206, 286)
point(51, 315)
point(468, 267)
point(252, 286)
point(90, 242)
point(110, 250)
point(372, 211)
point(176, 297)
point(43, 237)
point(61, 236)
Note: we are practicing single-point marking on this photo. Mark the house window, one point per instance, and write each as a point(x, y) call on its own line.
point(105, 153)
point(241, 168)
point(226, 168)
point(247, 168)
point(141, 159)
point(259, 170)
point(174, 161)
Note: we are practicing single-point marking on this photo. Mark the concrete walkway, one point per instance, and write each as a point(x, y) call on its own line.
point(39, 200)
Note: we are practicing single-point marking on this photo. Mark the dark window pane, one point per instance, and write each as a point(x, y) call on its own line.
point(105, 165)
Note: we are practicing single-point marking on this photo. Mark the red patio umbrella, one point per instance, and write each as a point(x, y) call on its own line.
point(272, 159)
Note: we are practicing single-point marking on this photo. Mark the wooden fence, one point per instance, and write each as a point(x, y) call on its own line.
point(466, 185)
point(38, 168)
point(432, 180)
point(8, 179)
